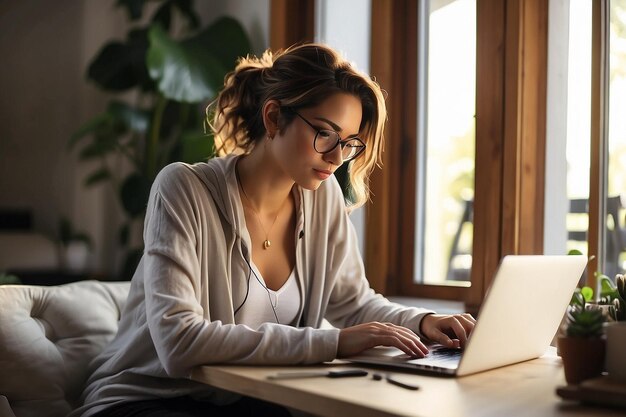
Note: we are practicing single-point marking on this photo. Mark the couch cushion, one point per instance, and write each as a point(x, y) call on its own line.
point(48, 336)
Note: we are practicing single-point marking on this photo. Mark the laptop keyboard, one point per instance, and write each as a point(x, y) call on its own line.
point(445, 354)
point(437, 357)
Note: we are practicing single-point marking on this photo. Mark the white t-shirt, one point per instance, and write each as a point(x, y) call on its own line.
point(264, 305)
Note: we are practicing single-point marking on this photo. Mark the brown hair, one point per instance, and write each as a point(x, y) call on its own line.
point(298, 77)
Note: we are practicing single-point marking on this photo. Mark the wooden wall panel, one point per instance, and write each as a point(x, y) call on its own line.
point(510, 134)
point(291, 22)
point(382, 213)
point(525, 126)
point(599, 132)
point(490, 53)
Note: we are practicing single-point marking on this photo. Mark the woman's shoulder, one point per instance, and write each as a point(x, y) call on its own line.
point(181, 174)
point(174, 170)
point(174, 176)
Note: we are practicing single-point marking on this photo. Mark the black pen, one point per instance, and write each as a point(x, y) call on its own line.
point(395, 382)
point(312, 374)
point(402, 384)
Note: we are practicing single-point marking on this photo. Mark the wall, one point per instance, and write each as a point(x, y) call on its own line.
point(38, 107)
point(46, 47)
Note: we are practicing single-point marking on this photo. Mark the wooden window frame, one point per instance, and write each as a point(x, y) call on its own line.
point(599, 136)
point(291, 22)
point(510, 144)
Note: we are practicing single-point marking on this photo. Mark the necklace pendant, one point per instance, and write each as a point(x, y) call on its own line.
point(267, 244)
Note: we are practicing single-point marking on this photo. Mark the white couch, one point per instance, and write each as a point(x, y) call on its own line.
point(48, 336)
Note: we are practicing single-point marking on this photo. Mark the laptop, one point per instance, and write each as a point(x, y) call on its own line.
point(517, 321)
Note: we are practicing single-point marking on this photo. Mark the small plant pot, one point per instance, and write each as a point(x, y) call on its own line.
point(583, 358)
point(74, 256)
point(615, 350)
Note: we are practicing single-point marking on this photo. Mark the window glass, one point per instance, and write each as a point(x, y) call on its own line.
point(446, 132)
point(578, 123)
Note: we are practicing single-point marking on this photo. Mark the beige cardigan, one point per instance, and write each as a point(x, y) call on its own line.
point(180, 310)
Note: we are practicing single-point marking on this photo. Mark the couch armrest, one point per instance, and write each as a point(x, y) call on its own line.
point(48, 336)
point(5, 408)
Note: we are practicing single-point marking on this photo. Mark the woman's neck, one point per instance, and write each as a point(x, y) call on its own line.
point(265, 185)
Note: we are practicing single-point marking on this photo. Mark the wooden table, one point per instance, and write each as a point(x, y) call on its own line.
point(525, 389)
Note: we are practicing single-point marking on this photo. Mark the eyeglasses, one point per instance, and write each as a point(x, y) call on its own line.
point(327, 140)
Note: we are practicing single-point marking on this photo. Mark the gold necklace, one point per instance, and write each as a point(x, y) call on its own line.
point(266, 243)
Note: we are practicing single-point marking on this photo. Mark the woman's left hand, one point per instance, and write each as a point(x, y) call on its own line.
point(450, 331)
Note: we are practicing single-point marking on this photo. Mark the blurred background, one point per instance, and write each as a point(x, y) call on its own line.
point(92, 105)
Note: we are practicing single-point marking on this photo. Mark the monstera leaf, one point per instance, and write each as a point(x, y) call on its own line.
point(121, 66)
point(193, 70)
point(163, 16)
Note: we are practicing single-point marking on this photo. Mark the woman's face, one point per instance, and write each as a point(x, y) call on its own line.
point(293, 148)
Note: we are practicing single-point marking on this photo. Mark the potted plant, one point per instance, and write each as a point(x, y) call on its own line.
point(74, 247)
point(175, 65)
point(615, 296)
point(582, 346)
point(7, 279)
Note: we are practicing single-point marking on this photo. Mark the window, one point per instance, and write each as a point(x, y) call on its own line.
point(446, 141)
point(596, 138)
point(506, 140)
point(578, 125)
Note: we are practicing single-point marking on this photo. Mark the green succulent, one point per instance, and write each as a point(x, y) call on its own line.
point(614, 295)
point(618, 309)
point(584, 322)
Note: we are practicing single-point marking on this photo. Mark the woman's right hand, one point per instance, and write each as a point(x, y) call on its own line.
point(354, 340)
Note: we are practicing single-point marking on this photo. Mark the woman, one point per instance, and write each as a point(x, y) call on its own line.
point(246, 255)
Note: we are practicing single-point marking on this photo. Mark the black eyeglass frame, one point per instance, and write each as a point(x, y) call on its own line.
point(340, 142)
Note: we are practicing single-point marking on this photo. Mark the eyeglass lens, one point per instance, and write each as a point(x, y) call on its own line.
point(327, 140)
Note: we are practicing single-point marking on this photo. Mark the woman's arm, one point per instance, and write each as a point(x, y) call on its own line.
point(368, 319)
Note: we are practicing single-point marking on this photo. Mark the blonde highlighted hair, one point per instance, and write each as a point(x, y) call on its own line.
point(299, 77)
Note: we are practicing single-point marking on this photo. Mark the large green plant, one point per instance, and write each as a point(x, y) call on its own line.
point(175, 78)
